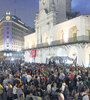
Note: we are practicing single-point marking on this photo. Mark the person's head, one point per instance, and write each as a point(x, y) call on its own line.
point(82, 89)
point(45, 94)
point(28, 92)
point(7, 77)
point(9, 85)
point(15, 85)
point(21, 96)
point(21, 86)
point(58, 91)
point(55, 85)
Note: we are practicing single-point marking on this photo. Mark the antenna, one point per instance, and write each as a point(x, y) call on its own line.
point(15, 7)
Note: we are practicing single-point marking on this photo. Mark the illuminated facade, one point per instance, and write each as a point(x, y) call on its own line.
point(54, 37)
point(12, 32)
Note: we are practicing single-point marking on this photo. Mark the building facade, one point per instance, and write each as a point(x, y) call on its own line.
point(12, 32)
point(56, 35)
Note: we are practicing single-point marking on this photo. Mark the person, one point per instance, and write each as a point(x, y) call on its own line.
point(1, 92)
point(15, 92)
point(16, 81)
point(29, 95)
point(21, 97)
point(49, 88)
point(30, 98)
point(60, 95)
point(61, 76)
point(63, 86)
point(23, 79)
point(84, 95)
point(54, 88)
point(20, 91)
point(5, 81)
point(29, 77)
point(9, 92)
point(46, 96)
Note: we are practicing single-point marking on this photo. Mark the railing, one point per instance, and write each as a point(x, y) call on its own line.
point(79, 39)
point(42, 45)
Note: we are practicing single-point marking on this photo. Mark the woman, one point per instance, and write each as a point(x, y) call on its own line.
point(60, 95)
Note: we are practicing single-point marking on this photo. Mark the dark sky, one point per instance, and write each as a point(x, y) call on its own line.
point(26, 9)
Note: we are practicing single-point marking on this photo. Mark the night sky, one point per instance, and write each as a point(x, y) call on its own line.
point(26, 9)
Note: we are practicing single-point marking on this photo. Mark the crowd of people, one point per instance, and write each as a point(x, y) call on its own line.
point(44, 82)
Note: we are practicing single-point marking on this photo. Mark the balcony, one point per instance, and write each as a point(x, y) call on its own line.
point(42, 45)
point(79, 39)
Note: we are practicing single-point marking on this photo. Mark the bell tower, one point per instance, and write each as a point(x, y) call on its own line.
point(68, 5)
point(58, 7)
point(51, 12)
point(43, 4)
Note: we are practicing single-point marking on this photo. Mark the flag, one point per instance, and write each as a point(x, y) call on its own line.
point(33, 53)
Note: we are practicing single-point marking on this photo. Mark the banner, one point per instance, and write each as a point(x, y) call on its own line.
point(33, 53)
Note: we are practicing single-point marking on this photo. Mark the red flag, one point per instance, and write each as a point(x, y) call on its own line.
point(33, 53)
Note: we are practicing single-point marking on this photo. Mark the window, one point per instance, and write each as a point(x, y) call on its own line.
point(7, 45)
point(41, 38)
point(7, 23)
point(7, 32)
point(7, 28)
point(89, 34)
point(74, 36)
point(7, 36)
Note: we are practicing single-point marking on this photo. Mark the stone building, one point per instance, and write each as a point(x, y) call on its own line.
point(12, 32)
point(56, 35)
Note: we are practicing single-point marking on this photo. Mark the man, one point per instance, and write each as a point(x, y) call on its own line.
point(20, 92)
point(5, 81)
point(29, 77)
point(9, 92)
point(29, 96)
point(84, 95)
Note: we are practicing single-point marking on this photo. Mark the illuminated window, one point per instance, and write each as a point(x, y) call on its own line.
point(60, 35)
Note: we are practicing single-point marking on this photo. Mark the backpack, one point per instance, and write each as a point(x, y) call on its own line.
point(80, 97)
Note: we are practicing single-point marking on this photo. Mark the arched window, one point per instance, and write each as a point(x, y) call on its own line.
point(73, 33)
point(44, 38)
point(89, 33)
point(60, 35)
point(74, 36)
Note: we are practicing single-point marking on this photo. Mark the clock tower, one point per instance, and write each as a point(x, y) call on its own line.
point(51, 12)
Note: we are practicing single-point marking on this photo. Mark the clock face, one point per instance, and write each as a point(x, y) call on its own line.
point(7, 18)
point(44, 1)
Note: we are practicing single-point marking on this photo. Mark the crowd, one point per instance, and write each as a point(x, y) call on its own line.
point(44, 82)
